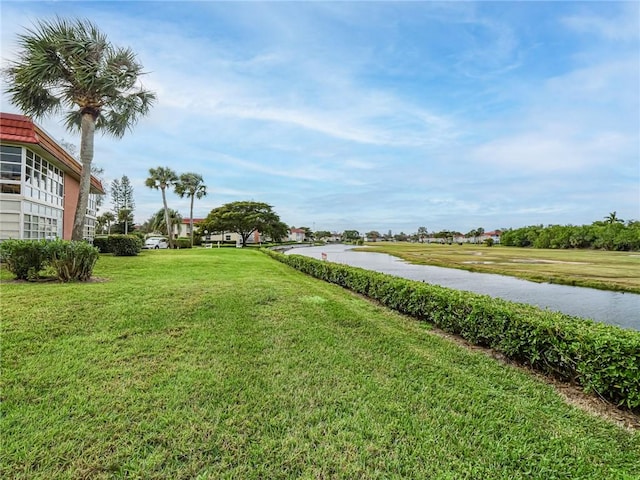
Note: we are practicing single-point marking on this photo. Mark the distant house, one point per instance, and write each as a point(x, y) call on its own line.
point(297, 235)
point(231, 237)
point(494, 235)
point(183, 230)
point(39, 184)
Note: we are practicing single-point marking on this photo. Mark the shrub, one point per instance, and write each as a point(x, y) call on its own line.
point(24, 258)
point(102, 244)
point(72, 260)
point(125, 245)
point(183, 242)
point(602, 358)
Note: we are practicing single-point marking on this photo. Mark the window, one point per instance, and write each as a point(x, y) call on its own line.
point(42, 222)
point(10, 169)
point(227, 238)
point(44, 181)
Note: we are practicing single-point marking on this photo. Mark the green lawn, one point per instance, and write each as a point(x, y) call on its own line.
point(223, 363)
point(587, 268)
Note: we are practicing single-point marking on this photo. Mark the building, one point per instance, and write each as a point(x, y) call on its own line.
point(39, 184)
point(297, 235)
point(184, 229)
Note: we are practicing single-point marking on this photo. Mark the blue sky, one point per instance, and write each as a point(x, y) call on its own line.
point(379, 115)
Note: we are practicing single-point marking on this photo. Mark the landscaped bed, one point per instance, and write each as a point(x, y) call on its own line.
point(222, 363)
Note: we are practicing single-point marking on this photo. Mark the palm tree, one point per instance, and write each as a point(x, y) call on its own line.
point(158, 222)
point(161, 178)
point(69, 66)
point(105, 219)
point(612, 218)
point(192, 185)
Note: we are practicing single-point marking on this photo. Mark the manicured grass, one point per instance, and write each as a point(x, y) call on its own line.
point(216, 363)
point(587, 268)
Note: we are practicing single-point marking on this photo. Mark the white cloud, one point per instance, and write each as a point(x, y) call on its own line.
point(621, 23)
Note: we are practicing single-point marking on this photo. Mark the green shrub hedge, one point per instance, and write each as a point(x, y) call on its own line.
point(183, 242)
point(125, 245)
point(102, 244)
point(24, 258)
point(70, 260)
point(602, 358)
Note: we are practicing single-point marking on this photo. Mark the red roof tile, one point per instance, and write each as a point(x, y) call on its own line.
point(17, 128)
point(21, 129)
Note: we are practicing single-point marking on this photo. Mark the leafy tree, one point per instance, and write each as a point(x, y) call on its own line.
point(322, 234)
point(69, 66)
point(351, 235)
point(422, 234)
point(191, 185)
point(308, 234)
point(373, 235)
point(401, 237)
point(162, 178)
point(244, 218)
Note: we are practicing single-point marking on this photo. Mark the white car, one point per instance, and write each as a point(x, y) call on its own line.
point(156, 243)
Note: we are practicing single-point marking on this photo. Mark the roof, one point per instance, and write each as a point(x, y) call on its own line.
point(186, 221)
point(21, 129)
point(297, 230)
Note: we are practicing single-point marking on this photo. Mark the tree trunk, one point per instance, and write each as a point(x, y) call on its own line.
point(87, 129)
point(191, 220)
point(166, 218)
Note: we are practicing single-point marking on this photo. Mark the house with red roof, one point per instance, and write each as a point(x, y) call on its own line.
point(297, 235)
point(39, 184)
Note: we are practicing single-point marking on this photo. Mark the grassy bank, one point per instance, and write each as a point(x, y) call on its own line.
point(586, 268)
point(222, 363)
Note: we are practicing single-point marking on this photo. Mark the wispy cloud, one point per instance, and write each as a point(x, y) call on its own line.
point(383, 115)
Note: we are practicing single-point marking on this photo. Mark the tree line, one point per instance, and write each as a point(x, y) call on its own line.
point(611, 233)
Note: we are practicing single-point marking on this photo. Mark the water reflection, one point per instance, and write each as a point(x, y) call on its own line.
point(617, 308)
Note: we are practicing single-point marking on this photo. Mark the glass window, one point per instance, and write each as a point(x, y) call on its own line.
point(10, 171)
point(10, 188)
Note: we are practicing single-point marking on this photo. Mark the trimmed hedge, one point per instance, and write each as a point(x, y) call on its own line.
point(102, 244)
point(125, 245)
point(183, 242)
point(602, 358)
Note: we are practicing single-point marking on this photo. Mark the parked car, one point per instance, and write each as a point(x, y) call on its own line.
point(155, 243)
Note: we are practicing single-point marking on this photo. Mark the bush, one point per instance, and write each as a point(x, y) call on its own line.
point(102, 244)
point(183, 242)
point(602, 358)
point(72, 260)
point(24, 258)
point(69, 260)
point(125, 245)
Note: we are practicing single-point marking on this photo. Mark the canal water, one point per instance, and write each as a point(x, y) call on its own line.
point(616, 308)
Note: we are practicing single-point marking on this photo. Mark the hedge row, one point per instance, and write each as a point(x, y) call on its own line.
point(69, 260)
point(602, 358)
point(119, 245)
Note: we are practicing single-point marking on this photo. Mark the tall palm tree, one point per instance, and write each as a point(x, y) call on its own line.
point(192, 185)
point(162, 178)
point(69, 66)
point(612, 218)
point(105, 220)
